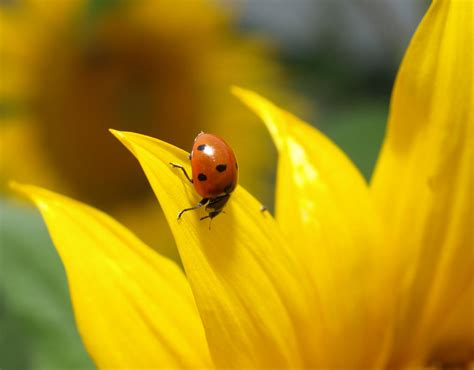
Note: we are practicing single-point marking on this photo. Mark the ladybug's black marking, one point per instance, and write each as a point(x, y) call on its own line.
point(221, 167)
point(202, 177)
point(201, 147)
point(236, 166)
point(228, 188)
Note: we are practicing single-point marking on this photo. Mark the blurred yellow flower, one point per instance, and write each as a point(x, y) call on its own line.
point(345, 276)
point(72, 69)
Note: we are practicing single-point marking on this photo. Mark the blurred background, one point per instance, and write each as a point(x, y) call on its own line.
point(71, 69)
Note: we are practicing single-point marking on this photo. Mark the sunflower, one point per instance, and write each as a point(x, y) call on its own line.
point(72, 69)
point(347, 275)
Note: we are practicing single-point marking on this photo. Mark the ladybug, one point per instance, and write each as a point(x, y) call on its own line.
point(215, 173)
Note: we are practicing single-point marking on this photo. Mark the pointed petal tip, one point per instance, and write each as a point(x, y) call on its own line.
point(124, 138)
point(272, 116)
point(237, 90)
point(34, 193)
point(115, 132)
point(28, 189)
point(24, 189)
point(248, 97)
point(135, 142)
point(12, 184)
point(118, 134)
point(19, 189)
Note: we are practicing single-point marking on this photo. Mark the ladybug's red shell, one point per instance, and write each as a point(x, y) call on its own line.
point(215, 170)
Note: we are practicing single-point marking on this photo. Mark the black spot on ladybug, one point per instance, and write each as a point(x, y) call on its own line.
point(201, 147)
point(236, 165)
point(202, 177)
point(228, 188)
point(221, 167)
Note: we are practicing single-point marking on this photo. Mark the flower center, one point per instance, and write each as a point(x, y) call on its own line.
point(115, 74)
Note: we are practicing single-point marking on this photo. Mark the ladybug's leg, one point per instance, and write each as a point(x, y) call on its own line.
point(210, 216)
point(199, 205)
point(182, 169)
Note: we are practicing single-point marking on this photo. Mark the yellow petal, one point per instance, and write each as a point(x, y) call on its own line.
point(423, 180)
point(134, 308)
point(248, 288)
point(323, 206)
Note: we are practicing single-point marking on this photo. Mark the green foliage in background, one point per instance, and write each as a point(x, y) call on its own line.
point(37, 329)
point(358, 129)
